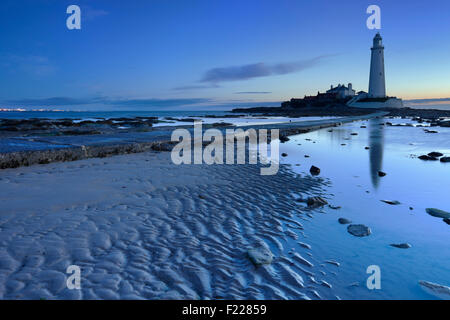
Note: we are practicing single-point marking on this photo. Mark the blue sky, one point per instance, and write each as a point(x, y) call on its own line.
point(213, 54)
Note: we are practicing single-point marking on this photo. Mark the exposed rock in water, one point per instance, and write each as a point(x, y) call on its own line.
point(391, 202)
point(445, 159)
point(367, 148)
point(381, 173)
point(435, 289)
point(284, 154)
point(435, 154)
point(260, 255)
point(354, 134)
point(401, 245)
point(284, 139)
point(447, 220)
point(359, 230)
point(438, 213)
point(314, 170)
point(344, 221)
point(306, 156)
point(315, 202)
point(427, 158)
point(334, 207)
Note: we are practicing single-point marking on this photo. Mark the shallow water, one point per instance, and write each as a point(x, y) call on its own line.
point(355, 185)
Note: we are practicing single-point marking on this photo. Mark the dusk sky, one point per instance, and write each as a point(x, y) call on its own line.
point(213, 54)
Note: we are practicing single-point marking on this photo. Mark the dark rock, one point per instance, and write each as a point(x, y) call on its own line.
point(314, 170)
point(438, 213)
point(260, 255)
point(445, 159)
point(162, 147)
point(391, 202)
point(344, 221)
point(401, 245)
point(427, 158)
point(315, 202)
point(284, 139)
point(284, 154)
point(446, 220)
point(334, 207)
point(306, 156)
point(381, 173)
point(359, 230)
point(435, 154)
point(354, 134)
point(367, 148)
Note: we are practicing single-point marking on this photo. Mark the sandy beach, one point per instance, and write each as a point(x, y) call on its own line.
point(141, 227)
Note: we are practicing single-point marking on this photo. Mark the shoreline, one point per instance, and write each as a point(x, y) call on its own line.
point(65, 148)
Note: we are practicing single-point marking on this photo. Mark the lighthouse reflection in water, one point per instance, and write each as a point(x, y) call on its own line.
point(376, 144)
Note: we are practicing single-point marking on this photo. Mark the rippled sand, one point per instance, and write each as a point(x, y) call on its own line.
point(142, 228)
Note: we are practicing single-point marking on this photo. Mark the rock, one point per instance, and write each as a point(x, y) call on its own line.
point(306, 156)
point(344, 221)
point(435, 154)
point(381, 173)
point(314, 170)
point(438, 213)
point(334, 207)
point(367, 148)
point(363, 127)
point(260, 255)
point(445, 159)
point(359, 230)
point(354, 134)
point(284, 154)
point(430, 131)
point(315, 202)
point(391, 202)
point(435, 289)
point(284, 139)
point(446, 220)
point(401, 245)
point(427, 158)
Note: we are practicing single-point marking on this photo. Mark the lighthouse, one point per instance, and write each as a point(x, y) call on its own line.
point(377, 86)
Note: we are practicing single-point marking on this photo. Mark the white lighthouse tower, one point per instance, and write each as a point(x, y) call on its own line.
point(377, 86)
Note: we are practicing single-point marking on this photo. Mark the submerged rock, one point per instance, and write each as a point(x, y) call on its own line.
point(260, 255)
point(401, 245)
point(436, 289)
point(315, 202)
point(344, 221)
point(359, 230)
point(314, 170)
point(438, 213)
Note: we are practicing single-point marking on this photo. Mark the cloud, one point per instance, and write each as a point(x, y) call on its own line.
point(183, 88)
point(105, 101)
point(256, 70)
point(253, 92)
point(34, 65)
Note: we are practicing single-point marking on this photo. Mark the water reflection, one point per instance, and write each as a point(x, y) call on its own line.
point(376, 144)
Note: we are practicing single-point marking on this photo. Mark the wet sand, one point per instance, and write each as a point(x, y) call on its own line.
point(142, 228)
